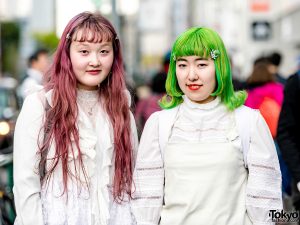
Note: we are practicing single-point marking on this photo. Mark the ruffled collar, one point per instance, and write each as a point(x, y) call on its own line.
point(90, 95)
point(206, 106)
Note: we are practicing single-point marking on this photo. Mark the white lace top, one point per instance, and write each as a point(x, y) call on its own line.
point(88, 201)
point(206, 123)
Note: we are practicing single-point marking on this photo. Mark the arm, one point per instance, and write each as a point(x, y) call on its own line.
point(135, 142)
point(148, 176)
point(288, 127)
point(27, 185)
point(264, 181)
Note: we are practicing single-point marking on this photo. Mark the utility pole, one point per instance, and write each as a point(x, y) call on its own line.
point(115, 16)
point(97, 4)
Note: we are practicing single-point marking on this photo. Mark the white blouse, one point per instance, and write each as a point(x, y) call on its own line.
point(90, 205)
point(206, 123)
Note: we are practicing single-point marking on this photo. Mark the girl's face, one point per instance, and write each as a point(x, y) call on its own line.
point(91, 62)
point(196, 78)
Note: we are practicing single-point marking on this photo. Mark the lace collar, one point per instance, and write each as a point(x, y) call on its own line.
point(87, 95)
point(205, 106)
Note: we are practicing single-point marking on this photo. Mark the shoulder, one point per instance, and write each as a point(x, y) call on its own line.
point(32, 99)
point(293, 81)
point(246, 109)
point(35, 102)
point(163, 116)
point(247, 113)
point(167, 112)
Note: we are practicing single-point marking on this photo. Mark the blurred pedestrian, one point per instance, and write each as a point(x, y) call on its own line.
point(196, 163)
point(275, 58)
point(38, 63)
point(74, 140)
point(289, 133)
point(145, 107)
point(265, 94)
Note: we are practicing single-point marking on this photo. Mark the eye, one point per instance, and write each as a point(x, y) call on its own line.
point(84, 52)
point(104, 51)
point(181, 65)
point(202, 65)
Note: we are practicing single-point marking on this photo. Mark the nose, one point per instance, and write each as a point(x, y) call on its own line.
point(193, 76)
point(95, 60)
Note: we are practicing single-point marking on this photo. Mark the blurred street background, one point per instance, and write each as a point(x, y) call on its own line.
point(251, 30)
point(147, 28)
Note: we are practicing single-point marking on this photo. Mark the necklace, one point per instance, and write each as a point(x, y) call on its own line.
point(91, 108)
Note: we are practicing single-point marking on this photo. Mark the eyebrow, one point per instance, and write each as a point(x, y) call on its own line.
point(197, 59)
point(81, 43)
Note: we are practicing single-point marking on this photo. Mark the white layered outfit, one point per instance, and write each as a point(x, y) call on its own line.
point(202, 175)
point(88, 201)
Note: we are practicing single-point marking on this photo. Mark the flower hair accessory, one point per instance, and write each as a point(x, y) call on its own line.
point(214, 54)
point(174, 57)
point(68, 36)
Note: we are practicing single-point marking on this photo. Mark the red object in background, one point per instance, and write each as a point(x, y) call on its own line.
point(260, 5)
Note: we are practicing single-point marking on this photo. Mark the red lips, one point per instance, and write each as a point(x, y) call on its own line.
point(194, 87)
point(93, 72)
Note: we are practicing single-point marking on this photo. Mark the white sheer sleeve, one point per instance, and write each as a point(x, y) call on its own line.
point(135, 141)
point(148, 176)
point(264, 182)
point(26, 178)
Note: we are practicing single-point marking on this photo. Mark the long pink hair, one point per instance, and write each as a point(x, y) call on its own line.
point(63, 114)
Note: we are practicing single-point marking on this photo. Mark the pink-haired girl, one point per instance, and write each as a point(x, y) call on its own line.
point(75, 139)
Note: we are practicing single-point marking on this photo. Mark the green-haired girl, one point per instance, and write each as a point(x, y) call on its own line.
point(205, 159)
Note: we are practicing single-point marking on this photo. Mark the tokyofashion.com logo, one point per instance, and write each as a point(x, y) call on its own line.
point(283, 217)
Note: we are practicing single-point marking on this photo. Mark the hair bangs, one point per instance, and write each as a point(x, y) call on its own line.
point(93, 32)
point(189, 45)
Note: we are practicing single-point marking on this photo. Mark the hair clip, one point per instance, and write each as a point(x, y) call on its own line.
point(116, 38)
point(68, 36)
point(214, 54)
point(174, 56)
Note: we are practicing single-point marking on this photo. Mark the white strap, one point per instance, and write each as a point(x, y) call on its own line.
point(244, 120)
point(166, 120)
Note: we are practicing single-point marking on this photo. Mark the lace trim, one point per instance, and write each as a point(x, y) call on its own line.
point(87, 95)
point(262, 197)
point(150, 197)
point(150, 168)
point(262, 166)
point(206, 106)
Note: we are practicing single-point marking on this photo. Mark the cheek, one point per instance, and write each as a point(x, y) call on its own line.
point(211, 77)
point(180, 78)
point(78, 63)
point(107, 62)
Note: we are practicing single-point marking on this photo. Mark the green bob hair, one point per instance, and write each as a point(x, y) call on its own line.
point(201, 42)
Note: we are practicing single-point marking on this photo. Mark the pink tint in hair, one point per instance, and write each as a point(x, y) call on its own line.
point(64, 112)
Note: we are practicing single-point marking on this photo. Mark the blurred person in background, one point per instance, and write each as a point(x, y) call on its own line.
point(266, 95)
point(38, 63)
point(196, 163)
point(275, 59)
point(238, 84)
point(145, 107)
point(75, 140)
point(289, 132)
